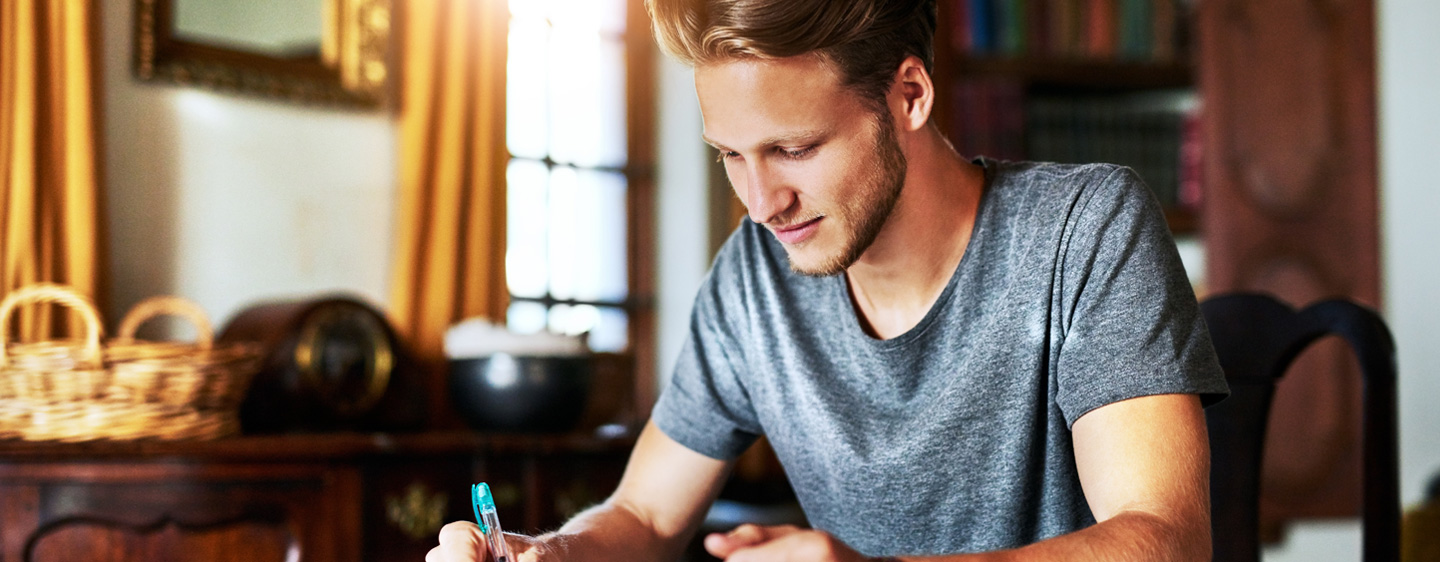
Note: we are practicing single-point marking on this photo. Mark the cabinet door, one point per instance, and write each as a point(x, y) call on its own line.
point(572, 482)
point(1291, 210)
point(407, 501)
point(174, 512)
point(538, 492)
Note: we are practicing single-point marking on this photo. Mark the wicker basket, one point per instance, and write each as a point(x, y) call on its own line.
point(128, 390)
point(56, 383)
point(193, 390)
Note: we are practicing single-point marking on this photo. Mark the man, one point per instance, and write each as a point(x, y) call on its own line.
point(954, 360)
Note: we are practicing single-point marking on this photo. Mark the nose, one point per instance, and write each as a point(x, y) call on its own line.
point(764, 193)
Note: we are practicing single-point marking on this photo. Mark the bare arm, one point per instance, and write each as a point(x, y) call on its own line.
point(1145, 469)
point(1144, 464)
point(659, 503)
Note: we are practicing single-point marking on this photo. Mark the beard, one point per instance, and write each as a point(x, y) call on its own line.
point(864, 215)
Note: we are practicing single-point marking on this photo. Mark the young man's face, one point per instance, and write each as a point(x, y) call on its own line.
point(810, 161)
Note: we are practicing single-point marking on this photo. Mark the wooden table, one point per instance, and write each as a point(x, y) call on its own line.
point(321, 497)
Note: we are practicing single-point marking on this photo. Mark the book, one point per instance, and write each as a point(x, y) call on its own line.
point(982, 26)
point(1010, 27)
point(1137, 29)
point(1101, 28)
point(1146, 132)
point(1068, 29)
point(1037, 28)
point(961, 36)
point(1167, 24)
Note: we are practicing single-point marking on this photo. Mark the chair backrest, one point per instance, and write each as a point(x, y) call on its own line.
point(1256, 338)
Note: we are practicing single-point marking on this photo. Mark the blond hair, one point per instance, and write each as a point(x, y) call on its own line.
point(866, 40)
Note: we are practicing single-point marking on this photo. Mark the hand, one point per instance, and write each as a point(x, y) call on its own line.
point(462, 541)
point(752, 543)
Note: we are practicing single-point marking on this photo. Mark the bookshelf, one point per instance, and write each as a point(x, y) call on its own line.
point(1076, 81)
point(1088, 74)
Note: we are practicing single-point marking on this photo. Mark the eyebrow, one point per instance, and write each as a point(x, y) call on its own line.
point(777, 140)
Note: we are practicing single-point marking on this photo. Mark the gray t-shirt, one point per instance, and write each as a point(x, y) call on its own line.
point(954, 436)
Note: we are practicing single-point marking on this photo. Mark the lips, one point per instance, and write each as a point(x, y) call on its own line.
point(798, 233)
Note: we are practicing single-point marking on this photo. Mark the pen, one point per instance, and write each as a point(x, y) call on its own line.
point(489, 522)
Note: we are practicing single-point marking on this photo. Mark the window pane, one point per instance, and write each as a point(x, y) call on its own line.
point(573, 320)
point(587, 99)
point(612, 333)
point(608, 327)
point(587, 237)
point(526, 229)
point(603, 271)
point(605, 16)
point(562, 250)
point(525, 85)
point(525, 317)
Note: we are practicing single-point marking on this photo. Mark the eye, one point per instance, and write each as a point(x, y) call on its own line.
point(797, 153)
point(727, 155)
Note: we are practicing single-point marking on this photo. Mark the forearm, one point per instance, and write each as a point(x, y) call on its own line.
point(1131, 536)
point(612, 532)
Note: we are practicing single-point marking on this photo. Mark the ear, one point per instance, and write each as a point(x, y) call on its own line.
point(912, 95)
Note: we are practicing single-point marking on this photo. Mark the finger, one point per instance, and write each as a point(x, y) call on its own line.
point(460, 541)
point(792, 547)
point(519, 544)
point(722, 545)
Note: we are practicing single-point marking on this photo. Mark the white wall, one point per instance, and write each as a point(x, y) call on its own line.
point(226, 200)
point(1410, 218)
point(1409, 122)
point(683, 203)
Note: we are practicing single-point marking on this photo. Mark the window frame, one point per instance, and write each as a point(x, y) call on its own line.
point(639, 173)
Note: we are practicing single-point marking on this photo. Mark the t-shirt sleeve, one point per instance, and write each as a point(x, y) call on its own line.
point(706, 406)
point(1133, 326)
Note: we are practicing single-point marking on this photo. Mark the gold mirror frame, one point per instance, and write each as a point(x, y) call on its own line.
point(354, 68)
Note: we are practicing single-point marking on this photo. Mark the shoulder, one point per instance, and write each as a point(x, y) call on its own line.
point(1048, 199)
point(1050, 179)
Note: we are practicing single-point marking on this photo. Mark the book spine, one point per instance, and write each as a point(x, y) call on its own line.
point(961, 36)
point(1069, 27)
point(982, 26)
point(1055, 28)
point(1101, 32)
point(1010, 27)
point(1167, 23)
point(1037, 28)
point(1137, 28)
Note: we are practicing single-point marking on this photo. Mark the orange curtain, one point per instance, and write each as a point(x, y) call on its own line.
point(449, 261)
point(50, 219)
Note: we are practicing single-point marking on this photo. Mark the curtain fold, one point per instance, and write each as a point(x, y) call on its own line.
point(449, 257)
point(50, 215)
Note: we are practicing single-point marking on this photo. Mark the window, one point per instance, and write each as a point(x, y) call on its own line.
point(574, 179)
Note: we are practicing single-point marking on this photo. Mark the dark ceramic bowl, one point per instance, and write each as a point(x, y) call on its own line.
point(518, 393)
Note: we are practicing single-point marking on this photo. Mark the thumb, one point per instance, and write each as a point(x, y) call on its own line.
point(460, 541)
point(745, 536)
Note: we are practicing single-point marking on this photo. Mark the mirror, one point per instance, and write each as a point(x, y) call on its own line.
point(333, 52)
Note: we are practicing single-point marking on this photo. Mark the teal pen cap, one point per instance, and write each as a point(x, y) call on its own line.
point(489, 520)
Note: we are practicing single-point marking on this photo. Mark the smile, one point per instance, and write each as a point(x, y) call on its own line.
point(796, 234)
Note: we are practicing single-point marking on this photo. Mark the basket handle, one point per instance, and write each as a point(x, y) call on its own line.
point(41, 293)
point(171, 306)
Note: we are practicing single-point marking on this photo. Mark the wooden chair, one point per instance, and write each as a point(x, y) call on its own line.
point(1256, 338)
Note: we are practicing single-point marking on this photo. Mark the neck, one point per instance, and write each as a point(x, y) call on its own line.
point(901, 274)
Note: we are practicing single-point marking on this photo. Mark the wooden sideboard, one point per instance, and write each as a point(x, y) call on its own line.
point(311, 498)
